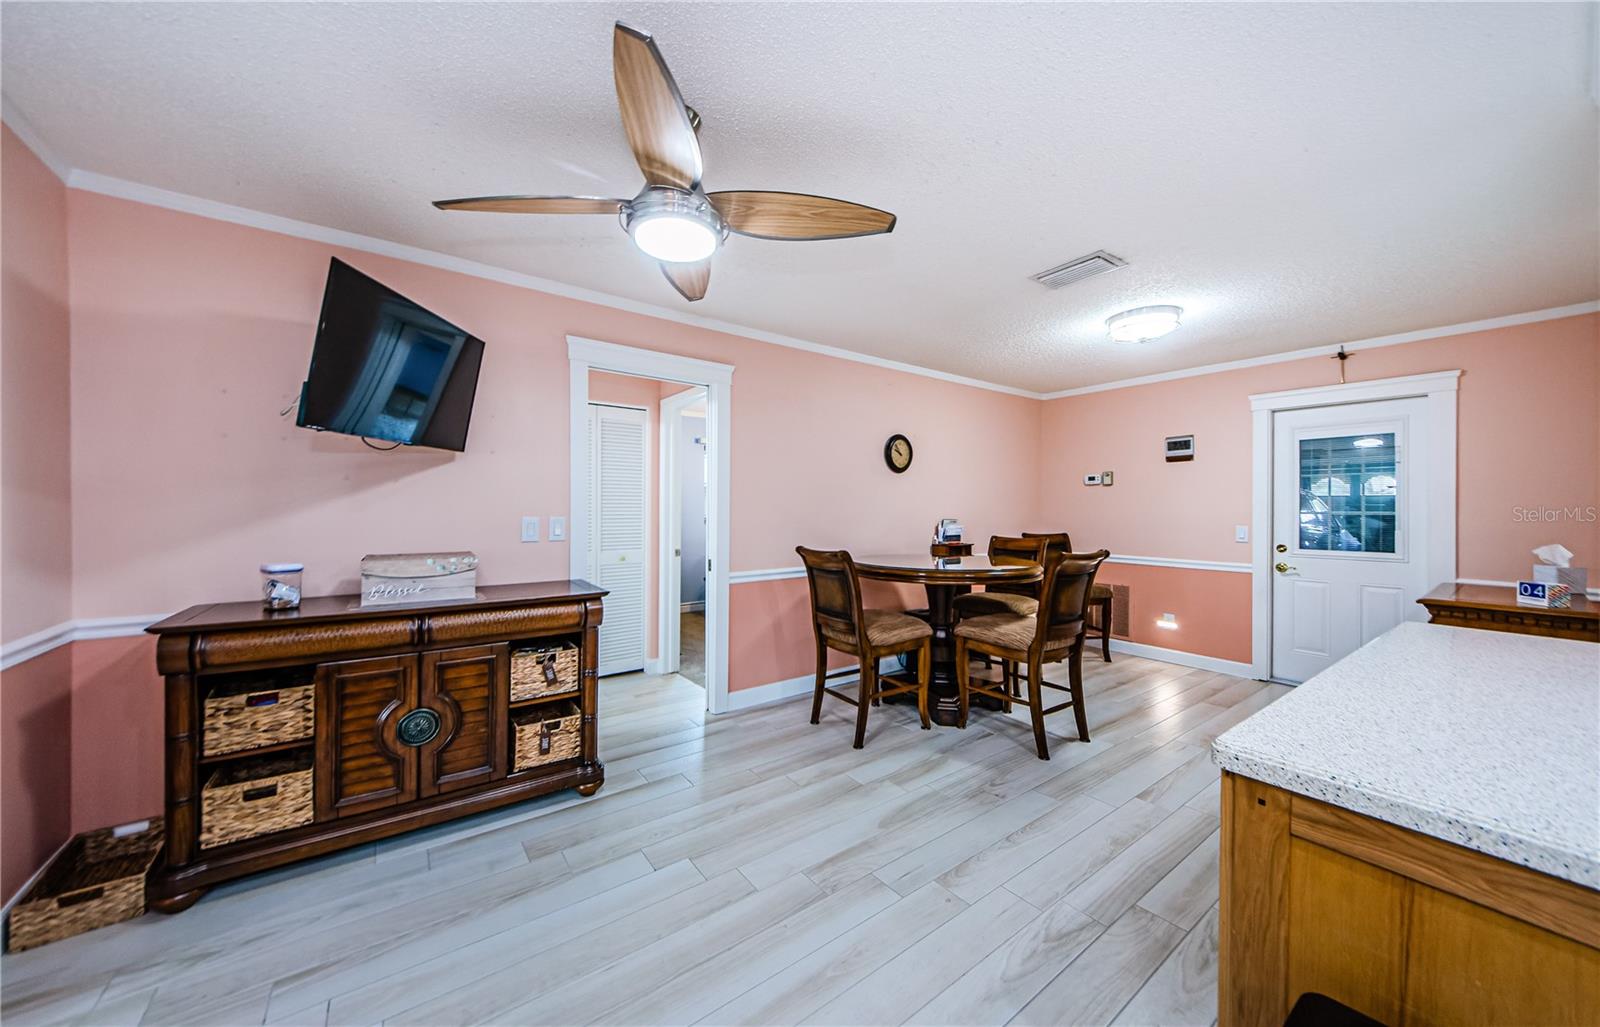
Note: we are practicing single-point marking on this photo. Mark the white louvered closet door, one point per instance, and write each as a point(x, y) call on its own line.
point(619, 526)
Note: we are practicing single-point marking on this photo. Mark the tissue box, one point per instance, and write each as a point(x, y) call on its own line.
point(394, 578)
point(1545, 596)
point(1575, 578)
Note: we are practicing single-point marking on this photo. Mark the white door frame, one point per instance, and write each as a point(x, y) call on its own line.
point(670, 594)
point(584, 355)
point(1439, 534)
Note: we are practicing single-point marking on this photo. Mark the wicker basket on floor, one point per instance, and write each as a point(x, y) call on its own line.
point(256, 796)
point(550, 670)
point(546, 735)
point(249, 715)
point(97, 880)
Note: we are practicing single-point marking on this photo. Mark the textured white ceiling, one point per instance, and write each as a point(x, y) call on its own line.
point(1292, 175)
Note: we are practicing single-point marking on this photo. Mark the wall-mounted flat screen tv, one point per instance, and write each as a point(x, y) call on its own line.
point(384, 368)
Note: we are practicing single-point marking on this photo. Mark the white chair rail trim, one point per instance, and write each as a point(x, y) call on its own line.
point(29, 647)
point(1225, 566)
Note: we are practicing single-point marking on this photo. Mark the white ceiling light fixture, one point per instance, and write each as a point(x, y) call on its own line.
point(1143, 324)
point(676, 227)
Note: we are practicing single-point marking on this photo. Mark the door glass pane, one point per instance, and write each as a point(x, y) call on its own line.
point(1348, 494)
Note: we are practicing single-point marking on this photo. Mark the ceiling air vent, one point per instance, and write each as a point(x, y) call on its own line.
point(1095, 263)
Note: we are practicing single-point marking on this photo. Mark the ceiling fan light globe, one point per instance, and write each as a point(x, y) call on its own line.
point(674, 238)
point(1143, 324)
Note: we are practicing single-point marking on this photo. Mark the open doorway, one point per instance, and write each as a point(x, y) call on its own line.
point(649, 507)
point(684, 480)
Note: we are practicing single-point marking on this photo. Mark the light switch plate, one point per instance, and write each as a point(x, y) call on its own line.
point(1241, 532)
point(530, 529)
point(558, 528)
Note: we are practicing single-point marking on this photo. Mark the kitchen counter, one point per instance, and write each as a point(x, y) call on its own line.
point(1488, 741)
point(1415, 833)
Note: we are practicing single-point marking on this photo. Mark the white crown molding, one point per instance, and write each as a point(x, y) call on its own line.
point(138, 192)
point(32, 140)
point(84, 629)
point(106, 185)
point(1421, 335)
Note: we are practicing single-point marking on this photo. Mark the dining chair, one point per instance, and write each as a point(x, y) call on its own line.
point(1054, 633)
point(1099, 597)
point(1005, 596)
point(840, 623)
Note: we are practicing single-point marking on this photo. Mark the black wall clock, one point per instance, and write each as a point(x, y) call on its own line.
point(897, 453)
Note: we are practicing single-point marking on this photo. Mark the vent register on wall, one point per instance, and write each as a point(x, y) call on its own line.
point(384, 368)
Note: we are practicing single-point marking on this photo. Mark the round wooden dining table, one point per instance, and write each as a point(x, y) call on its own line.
point(944, 578)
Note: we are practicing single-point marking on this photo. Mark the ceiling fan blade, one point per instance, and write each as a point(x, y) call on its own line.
point(773, 215)
point(653, 115)
point(689, 279)
point(535, 204)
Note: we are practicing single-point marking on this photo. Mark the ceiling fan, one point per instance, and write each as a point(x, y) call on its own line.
point(673, 219)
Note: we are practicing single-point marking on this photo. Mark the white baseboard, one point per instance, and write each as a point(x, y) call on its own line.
point(692, 607)
point(1177, 656)
point(655, 666)
point(782, 691)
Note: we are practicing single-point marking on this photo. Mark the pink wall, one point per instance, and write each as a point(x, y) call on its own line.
point(35, 540)
point(1509, 458)
point(35, 481)
point(188, 336)
point(186, 477)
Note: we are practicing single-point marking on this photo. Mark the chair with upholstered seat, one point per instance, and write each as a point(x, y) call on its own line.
point(1054, 633)
point(1006, 597)
point(840, 623)
point(1099, 597)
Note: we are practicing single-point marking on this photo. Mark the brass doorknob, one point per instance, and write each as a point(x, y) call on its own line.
point(1282, 568)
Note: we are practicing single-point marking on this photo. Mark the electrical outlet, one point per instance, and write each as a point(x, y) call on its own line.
point(530, 529)
point(1105, 477)
point(1241, 532)
point(558, 528)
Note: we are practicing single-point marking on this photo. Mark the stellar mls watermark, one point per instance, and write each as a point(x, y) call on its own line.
point(1527, 514)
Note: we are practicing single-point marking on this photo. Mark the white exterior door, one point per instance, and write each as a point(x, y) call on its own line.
point(618, 519)
point(1349, 499)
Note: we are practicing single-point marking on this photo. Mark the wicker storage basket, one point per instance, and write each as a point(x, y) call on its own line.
point(98, 879)
point(545, 671)
point(546, 735)
point(250, 714)
point(256, 796)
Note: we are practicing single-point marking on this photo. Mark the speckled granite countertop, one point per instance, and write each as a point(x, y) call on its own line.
point(1486, 739)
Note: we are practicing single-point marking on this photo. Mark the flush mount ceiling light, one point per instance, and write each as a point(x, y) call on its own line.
point(1143, 324)
point(672, 226)
point(1367, 443)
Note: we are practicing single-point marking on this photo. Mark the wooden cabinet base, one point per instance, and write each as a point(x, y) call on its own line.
point(1400, 926)
point(411, 724)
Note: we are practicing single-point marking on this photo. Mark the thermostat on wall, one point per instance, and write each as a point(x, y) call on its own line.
point(1180, 447)
point(1091, 479)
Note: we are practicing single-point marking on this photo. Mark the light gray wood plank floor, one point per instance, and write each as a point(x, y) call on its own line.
point(748, 868)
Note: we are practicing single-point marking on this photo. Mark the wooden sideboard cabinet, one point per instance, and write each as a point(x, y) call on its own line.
point(411, 722)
